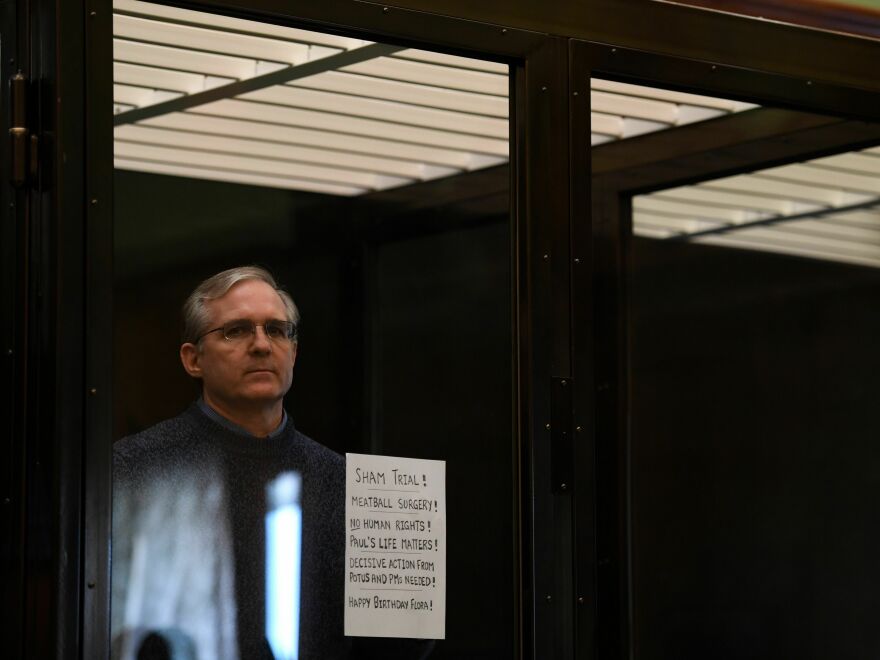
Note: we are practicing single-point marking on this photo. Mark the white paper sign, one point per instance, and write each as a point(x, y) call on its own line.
point(395, 547)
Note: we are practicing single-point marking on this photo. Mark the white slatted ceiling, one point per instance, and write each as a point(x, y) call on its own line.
point(411, 116)
point(417, 115)
point(821, 191)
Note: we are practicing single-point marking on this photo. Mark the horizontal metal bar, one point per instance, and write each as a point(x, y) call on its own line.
point(726, 229)
point(259, 82)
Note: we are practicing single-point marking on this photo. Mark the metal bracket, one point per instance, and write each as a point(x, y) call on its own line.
point(561, 436)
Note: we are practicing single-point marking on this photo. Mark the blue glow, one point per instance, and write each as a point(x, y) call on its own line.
point(283, 564)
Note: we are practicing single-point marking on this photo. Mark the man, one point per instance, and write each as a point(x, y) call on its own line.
point(190, 494)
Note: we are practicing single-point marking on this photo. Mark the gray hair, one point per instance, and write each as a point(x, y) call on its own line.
point(195, 312)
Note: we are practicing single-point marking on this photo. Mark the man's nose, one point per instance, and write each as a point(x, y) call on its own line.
point(260, 340)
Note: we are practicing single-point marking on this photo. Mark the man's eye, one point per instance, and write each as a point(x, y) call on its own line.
point(236, 330)
point(275, 330)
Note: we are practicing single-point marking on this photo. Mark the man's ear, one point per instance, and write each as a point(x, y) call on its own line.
point(189, 357)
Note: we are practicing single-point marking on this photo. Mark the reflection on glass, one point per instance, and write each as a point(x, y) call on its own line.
point(283, 565)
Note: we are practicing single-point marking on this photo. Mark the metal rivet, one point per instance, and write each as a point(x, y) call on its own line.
point(93, 14)
point(714, 68)
point(91, 585)
point(9, 352)
point(384, 10)
point(562, 486)
point(547, 426)
point(6, 500)
point(94, 201)
point(548, 597)
point(809, 82)
point(578, 429)
point(93, 391)
point(564, 382)
point(543, 88)
point(574, 93)
point(580, 600)
point(546, 256)
point(503, 30)
point(576, 260)
point(614, 51)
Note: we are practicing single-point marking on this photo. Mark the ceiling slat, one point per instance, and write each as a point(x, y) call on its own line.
point(759, 185)
point(180, 59)
point(353, 126)
point(273, 150)
point(824, 176)
point(642, 91)
point(633, 106)
point(202, 39)
point(261, 166)
point(737, 200)
point(228, 24)
point(655, 203)
point(178, 81)
point(388, 111)
point(856, 163)
point(412, 93)
point(335, 143)
point(141, 96)
point(453, 60)
point(235, 176)
point(432, 74)
point(753, 241)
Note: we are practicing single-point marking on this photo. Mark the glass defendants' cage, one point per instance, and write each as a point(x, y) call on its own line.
point(614, 283)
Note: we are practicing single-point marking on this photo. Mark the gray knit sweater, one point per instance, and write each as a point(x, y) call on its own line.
point(188, 538)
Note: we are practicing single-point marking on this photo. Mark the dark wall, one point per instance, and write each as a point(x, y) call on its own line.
point(755, 381)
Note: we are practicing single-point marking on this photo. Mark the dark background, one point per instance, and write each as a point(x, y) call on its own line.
point(405, 346)
point(755, 460)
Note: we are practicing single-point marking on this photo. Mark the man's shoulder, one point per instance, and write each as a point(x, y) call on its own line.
point(168, 436)
point(318, 453)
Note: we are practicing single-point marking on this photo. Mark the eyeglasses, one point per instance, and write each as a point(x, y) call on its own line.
point(245, 328)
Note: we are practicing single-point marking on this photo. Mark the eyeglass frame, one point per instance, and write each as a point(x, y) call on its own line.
point(292, 331)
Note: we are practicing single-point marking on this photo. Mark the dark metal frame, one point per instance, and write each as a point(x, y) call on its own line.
point(601, 225)
point(13, 351)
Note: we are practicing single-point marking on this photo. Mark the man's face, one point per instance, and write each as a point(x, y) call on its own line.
point(247, 373)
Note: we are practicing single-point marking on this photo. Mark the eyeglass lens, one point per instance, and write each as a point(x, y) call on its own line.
point(275, 330)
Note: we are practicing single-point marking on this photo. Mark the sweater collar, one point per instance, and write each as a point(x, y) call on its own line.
point(235, 428)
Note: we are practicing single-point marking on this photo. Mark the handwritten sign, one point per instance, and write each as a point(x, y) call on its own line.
point(395, 549)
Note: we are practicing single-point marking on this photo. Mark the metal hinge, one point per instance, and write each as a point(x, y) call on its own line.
point(24, 147)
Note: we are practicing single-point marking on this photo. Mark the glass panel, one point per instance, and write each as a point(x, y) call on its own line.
point(372, 182)
point(754, 371)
